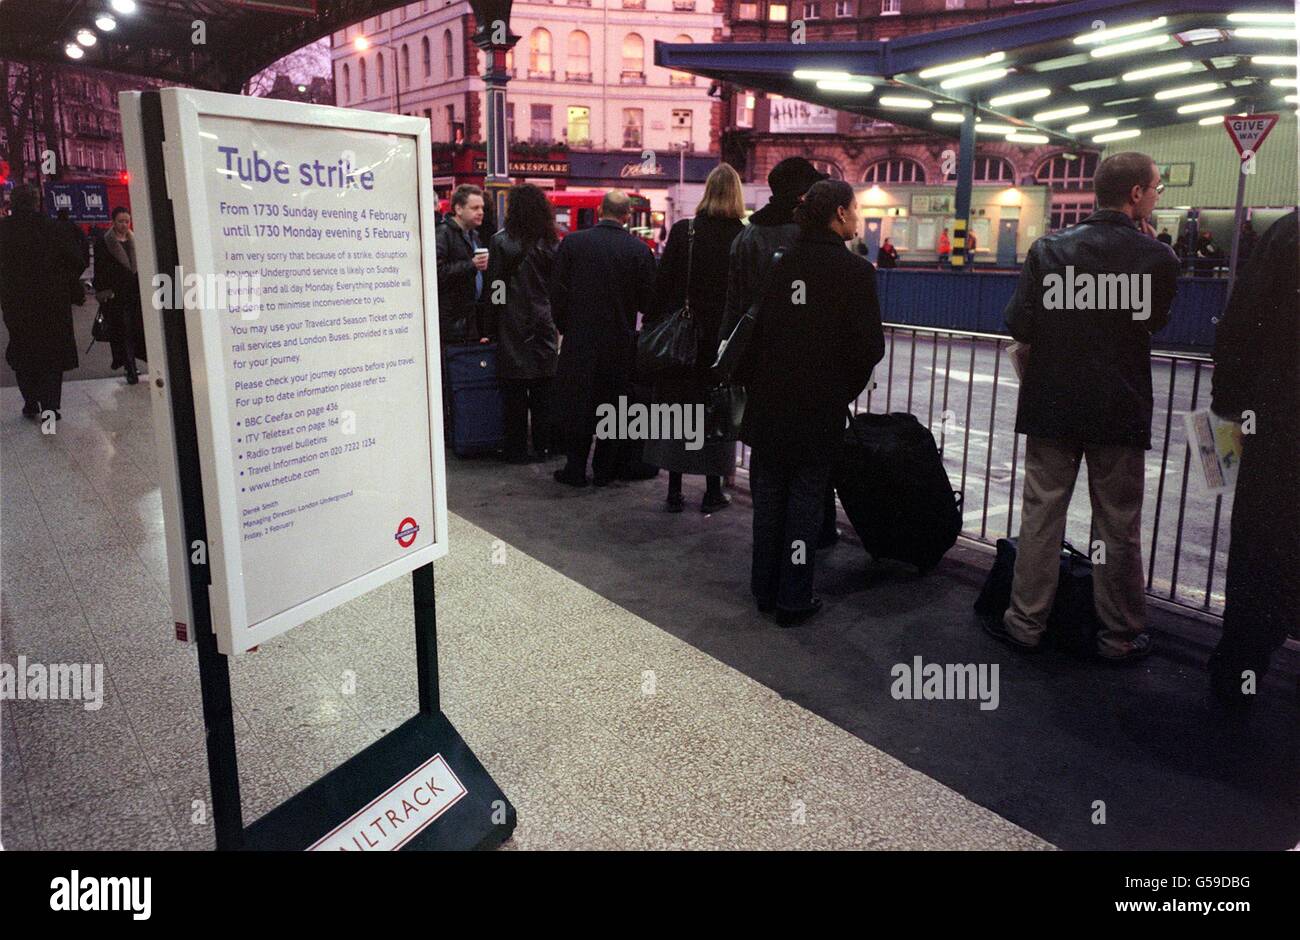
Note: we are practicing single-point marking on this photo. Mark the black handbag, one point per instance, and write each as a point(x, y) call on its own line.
point(733, 363)
point(1072, 624)
point(724, 409)
point(669, 347)
point(98, 329)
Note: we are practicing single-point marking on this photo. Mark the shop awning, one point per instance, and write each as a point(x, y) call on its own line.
point(1076, 73)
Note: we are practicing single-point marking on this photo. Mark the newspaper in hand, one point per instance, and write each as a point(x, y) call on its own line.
point(1216, 451)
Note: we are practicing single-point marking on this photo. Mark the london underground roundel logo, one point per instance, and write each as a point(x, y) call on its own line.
point(407, 530)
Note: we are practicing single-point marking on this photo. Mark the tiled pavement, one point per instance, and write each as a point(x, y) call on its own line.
point(605, 731)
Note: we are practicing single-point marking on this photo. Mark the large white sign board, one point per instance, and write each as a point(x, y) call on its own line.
point(316, 374)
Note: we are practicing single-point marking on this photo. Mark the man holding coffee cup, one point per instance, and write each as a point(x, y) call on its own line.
point(461, 262)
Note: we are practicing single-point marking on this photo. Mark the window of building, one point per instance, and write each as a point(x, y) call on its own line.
point(426, 54)
point(633, 121)
point(778, 12)
point(540, 123)
point(1064, 214)
point(633, 56)
point(829, 167)
point(954, 4)
point(747, 11)
point(890, 7)
point(843, 8)
point(448, 54)
point(681, 78)
point(579, 127)
point(365, 87)
point(539, 54)
point(347, 83)
point(406, 66)
point(989, 169)
point(1062, 174)
point(510, 121)
point(379, 73)
point(577, 66)
point(895, 170)
point(812, 11)
point(745, 109)
point(683, 119)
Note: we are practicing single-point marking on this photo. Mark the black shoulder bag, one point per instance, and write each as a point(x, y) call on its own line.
point(669, 346)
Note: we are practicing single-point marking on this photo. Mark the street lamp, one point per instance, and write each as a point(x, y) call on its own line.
point(496, 41)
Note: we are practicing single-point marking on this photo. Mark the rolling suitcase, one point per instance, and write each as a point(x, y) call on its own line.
point(894, 489)
point(473, 399)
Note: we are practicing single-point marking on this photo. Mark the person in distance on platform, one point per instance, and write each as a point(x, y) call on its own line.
point(887, 255)
point(37, 266)
point(461, 266)
point(518, 317)
point(117, 288)
point(816, 338)
point(1085, 393)
point(604, 277)
point(704, 255)
point(1255, 372)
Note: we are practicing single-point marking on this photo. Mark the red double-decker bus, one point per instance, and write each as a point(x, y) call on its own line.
point(576, 209)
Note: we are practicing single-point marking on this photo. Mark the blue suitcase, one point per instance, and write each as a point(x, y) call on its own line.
point(474, 399)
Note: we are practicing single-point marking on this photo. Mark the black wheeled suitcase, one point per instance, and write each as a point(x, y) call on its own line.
point(474, 399)
point(894, 489)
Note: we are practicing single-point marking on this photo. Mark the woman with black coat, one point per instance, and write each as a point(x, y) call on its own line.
point(816, 338)
point(521, 259)
point(118, 291)
point(703, 246)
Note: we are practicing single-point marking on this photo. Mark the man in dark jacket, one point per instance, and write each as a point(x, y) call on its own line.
point(1255, 371)
point(37, 265)
point(604, 276)
point(460, 267)
point(1088, 301)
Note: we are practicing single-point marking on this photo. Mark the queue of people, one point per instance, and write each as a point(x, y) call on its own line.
point(1085, 394)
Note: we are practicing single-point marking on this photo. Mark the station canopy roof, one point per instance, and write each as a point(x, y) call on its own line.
point(1073, 74)
point(158, 38)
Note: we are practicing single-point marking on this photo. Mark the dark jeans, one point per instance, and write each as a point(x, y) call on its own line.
point(519, 398)
point(789, 503)
point(605, 462)
point(41, 389)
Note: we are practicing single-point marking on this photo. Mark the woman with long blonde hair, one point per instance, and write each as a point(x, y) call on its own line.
point(694, 266)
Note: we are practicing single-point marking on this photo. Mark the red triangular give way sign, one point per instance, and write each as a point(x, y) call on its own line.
point(1248, 132)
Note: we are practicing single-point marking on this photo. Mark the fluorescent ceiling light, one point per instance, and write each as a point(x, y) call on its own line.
point(1016, 97)
point(1184, 90)
point(1095, 83)
point(124, 6)
point(948, 117)
point(902, 101)
point(1092, 125)
point(106, 23)
point(1207, 105)
point(1273, 60)
point(1283, 82)
point(990, 127)
point(73, 51)
point(840, 85)
point(973, 78)
point(1173, 68)
point(86, 38)
point(963, 66)
point(1054, 114)
point(1217, 119)
point(1106, 35)
point(1116, 135)
point(1130, 45)
point(1119, 101)
point(813, 75)
point(1196, 37)
point(1028, 138)
point(1264, 32)
point(1291, 99)
point(1261, 17)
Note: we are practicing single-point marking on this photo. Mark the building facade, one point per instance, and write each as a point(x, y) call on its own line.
point(589, 86)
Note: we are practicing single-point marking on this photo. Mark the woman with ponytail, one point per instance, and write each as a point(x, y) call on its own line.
point(817, 336)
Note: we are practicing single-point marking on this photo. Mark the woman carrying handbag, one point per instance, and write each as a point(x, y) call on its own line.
point(118, 291)
point(693, 272)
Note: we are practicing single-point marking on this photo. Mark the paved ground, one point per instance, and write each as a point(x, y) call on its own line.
point(604, 729)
